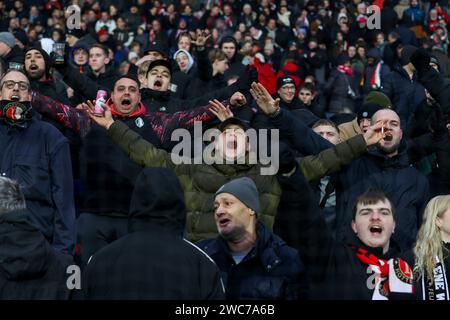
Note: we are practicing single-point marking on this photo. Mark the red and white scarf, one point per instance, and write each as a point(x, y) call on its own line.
point(392, 276)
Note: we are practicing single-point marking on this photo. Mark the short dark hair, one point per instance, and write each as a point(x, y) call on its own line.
point(216, 54)
point(325, 122)
point(373, 196)
point(102, 47)
point(183, 34)
point(307, 86)
point(128, 76)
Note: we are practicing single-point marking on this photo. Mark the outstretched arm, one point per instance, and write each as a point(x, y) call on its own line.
point(165, 123)
point(301, 136)
point(137, 148)
point(71, 118)
point(334, 159)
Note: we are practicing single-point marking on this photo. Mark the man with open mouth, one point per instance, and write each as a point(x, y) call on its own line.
point(37, 67)
point(257, 263)
point(384, 166)
point(107, 174)
point(37, 155)
point(367, 265)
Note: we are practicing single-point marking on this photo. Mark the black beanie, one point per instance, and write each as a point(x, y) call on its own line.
point(45, 56)
point(281, 81)
point(405, 56)
point(366, 111)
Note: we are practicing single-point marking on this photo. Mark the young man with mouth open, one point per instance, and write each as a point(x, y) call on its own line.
point(385, 166)
point(366, 266)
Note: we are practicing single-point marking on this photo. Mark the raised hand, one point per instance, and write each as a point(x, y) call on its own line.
point(263, 99)
point(237, 99)
point(201, 38)
point(105, 120)
point(220, 111)
point(374, 133)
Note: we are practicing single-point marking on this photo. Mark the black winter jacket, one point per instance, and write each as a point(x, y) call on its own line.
point(271, 270)
point(334, 270)
point(153, 261)
point(408, 188)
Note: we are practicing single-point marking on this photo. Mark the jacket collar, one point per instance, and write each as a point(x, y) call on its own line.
point(138, 112)
point(264, 250)
point(400, 160)
point(147, 93)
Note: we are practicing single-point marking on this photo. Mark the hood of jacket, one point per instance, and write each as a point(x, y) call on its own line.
point(374, 53)
point(24, 251)
point(157, 201)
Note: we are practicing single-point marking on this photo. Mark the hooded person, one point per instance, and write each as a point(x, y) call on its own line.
point(29, 268)
point(376, 71)
point(185, 62)
point(158, 262)
point(402, 86)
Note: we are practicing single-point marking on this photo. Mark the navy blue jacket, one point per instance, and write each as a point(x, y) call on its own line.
point(38, 158)
point(407, 187)
point(271, 270)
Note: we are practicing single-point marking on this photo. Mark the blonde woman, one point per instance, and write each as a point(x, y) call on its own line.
point(432, 251)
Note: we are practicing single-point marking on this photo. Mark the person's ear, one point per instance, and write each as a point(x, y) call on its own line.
point(354, 227)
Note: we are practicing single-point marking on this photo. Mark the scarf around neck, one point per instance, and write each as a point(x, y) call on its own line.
point(15, 113)
point(393, 275)
point(438, 288)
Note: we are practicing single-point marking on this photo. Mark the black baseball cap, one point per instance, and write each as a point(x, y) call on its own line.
point(160, 62)
point(234, 120)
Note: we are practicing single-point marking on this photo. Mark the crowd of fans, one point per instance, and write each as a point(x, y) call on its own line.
point(359, 92)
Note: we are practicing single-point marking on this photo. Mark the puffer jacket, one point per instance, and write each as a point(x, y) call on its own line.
point(199, 182)
point(271, 270)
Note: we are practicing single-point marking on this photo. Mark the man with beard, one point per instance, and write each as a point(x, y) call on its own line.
point(36, 155)
point(254, 262)
point(37, 68)
point(385, 166)
point(107, 174)
point(227, 157)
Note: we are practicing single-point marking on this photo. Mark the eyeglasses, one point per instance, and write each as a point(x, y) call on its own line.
point(10, 84)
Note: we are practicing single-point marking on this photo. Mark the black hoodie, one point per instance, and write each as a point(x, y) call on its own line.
point(153, 261)
point(29, 267)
